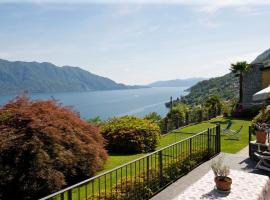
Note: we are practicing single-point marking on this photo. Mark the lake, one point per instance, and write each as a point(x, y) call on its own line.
point(112, 103)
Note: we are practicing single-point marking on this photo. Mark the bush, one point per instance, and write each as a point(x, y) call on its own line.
point(214, 106)
point(177, 117)
point(130, 134)
point(262, 117)
point(143, 185)
point(43, 147)
point(247, 113)
point(153, 117)
point(96, 121)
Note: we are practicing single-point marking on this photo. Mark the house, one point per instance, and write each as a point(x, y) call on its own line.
point(256, 79)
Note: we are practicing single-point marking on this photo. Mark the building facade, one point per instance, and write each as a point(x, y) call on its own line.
point(256, 79)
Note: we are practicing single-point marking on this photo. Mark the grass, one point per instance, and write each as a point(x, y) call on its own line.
point(227, 145)
point(120, 159)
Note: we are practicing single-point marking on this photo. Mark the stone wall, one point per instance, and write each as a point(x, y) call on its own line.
point(252, 83)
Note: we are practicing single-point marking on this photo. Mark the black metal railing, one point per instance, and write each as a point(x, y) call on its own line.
point(169, 124)
point(144, 177)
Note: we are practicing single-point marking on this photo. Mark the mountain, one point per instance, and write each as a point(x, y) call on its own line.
point(226, 87)
point(34, 77)
point(263, 58)
point(176, 83)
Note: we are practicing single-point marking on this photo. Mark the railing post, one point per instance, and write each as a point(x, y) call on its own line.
point(190, 148)
point(62, 196)
point(249, 140)
point(69, 194)
point(218, 138)
point(160, 166)
point(208, 141)
point(147, 170)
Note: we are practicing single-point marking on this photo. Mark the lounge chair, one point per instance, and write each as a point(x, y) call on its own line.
point(229, 125)
point(264, 161)
point(233, 133)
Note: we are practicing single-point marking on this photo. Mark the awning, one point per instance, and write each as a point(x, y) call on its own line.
point(262, 95)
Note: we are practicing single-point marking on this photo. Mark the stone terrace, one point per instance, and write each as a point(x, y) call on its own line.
point(239, 161)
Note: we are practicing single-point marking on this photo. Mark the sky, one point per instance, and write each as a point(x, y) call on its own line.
point(136, 41)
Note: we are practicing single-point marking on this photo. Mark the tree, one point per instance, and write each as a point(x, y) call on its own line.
point(130, 134)
point(44, 147)
point(97, 121)
point(177, 116)
point(239, 68)
point(214, 106)
point(153, 116)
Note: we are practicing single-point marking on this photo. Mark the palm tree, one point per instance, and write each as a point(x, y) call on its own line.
point(239, 68)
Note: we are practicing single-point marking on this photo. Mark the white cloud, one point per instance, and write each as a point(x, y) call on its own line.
point(209, 4)
point(124, 8)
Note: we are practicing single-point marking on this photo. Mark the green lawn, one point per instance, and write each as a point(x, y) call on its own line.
point(227, 145)
point(119, 159)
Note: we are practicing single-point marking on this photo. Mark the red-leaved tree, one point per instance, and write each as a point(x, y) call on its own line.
point(45, 147)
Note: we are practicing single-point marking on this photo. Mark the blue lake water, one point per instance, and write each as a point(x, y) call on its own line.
point(107, 104)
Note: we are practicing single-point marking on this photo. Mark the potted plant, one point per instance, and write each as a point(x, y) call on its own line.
point(221, 172)
point(261, 133)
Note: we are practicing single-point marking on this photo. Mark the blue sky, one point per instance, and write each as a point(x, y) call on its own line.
point(136, 42)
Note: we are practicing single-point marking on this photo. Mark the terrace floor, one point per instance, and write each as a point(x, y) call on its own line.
point(238, 161)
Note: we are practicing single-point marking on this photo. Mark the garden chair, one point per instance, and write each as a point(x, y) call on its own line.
point(233, 133)
point(264, 161)
point(229, 125)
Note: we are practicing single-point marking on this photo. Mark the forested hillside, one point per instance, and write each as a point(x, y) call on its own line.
point(46, 77)
point(226, 87)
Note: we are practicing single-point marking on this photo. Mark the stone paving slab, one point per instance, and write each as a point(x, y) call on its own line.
point(239, 161)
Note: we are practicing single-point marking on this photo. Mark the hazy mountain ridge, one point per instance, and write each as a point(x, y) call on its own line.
point(46, 77)
point(226, 87)
point(176, 82)
point(263, 58)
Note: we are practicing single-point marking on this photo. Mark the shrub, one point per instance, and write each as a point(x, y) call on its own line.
point(130, 134)
point(262, 117)
point(154, 117)
point(177, 117)
point(97, 121)
point(143, 185)
point(214, 106)
point(43, 147)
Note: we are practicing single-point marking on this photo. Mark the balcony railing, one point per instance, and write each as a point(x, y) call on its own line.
point(144, 177)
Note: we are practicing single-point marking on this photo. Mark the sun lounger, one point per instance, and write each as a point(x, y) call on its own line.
point(233, 133)
point(229, 125)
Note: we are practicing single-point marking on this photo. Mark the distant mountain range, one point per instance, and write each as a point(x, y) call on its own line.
point(35, 77)
point(176, 82)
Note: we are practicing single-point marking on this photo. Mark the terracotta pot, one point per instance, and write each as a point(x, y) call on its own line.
point(222, 183)
point(261, 137)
